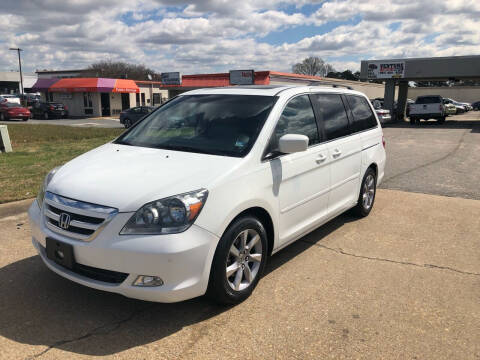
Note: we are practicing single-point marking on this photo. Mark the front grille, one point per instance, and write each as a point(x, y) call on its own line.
point(85, 220)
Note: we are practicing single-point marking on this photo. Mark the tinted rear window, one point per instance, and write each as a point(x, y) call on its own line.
point(428, 100)
point(363, 117)
point(333, 115)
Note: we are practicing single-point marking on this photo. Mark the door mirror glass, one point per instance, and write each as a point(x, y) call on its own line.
point(292, 143)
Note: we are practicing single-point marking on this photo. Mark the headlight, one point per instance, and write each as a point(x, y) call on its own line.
point(167, 216)
point(43, 187)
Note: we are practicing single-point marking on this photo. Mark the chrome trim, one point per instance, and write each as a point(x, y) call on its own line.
point(66, 233)
point(75, 207)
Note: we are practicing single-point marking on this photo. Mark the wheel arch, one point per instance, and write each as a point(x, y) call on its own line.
point(264, 217)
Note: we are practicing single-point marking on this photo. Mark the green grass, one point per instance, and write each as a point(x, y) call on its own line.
point(39, 148)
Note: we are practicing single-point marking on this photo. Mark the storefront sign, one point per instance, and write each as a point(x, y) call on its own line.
point(386, 70)
point(171, 78)
point(242, 77)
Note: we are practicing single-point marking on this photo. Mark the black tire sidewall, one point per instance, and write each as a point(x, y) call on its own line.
point(359, 209)
point(218, 287)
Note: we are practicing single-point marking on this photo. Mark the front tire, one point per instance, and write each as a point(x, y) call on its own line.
point(366, 198)
point(239, 261)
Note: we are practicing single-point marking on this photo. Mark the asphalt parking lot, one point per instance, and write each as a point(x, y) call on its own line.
point(403, 283)
point(435, 159)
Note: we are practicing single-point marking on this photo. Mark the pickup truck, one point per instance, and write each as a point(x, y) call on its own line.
point(427, 107)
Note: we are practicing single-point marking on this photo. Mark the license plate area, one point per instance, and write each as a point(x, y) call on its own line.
point(60, 252)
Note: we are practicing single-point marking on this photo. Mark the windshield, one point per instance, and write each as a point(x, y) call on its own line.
point(211, 124)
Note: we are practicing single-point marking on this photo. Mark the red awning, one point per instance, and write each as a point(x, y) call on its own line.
point(95, 85)
point(125, 86)
point(75, 85)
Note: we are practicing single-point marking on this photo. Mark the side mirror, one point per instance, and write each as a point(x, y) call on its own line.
point(292, 143)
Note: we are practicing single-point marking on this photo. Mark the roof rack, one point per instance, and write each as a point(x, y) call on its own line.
point(323, 83)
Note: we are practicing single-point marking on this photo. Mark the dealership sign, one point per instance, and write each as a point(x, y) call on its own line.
point(386, 70)
point(171, 78)
point(242, 77)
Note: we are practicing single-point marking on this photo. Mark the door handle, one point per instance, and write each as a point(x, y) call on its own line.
point(336, 153)
point(320, 158)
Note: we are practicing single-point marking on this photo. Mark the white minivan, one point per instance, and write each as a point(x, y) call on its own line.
point(194, 198)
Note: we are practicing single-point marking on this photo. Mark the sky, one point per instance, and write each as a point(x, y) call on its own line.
point(220, 35)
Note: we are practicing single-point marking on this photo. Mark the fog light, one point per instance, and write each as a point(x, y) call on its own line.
point(147, 280)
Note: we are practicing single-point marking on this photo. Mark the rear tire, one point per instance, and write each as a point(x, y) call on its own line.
point(366, 198)
point(413, 120)
point(239, 261)
point(441, 120)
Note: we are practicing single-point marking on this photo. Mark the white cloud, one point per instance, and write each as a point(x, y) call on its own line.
point(217, 35)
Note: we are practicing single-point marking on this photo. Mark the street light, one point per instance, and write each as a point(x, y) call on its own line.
point(20, 66)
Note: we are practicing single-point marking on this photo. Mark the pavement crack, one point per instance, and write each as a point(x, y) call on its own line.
point(427, 266)
point(450, 153)
point(100, 330)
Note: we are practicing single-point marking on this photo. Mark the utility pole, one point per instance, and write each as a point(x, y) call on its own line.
point(20, 67)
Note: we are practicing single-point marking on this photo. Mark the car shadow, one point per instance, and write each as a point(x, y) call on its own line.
point(41, 308)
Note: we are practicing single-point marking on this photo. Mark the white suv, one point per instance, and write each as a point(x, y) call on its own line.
point(195, 197)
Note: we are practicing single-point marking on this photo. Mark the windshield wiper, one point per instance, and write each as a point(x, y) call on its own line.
point(193, 149)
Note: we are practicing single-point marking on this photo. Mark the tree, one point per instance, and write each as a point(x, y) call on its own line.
point(313, 66)
point(122, 70)
point(346, 75)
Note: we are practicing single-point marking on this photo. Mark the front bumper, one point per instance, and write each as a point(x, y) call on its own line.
point(182, 260)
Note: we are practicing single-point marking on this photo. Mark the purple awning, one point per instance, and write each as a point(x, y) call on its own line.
point(105, 85)
point(44, 84)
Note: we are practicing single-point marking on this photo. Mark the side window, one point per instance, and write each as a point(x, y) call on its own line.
point(296, 118)
point(363, 117)
point(332, 115)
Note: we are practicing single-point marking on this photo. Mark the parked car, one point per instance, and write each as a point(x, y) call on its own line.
point(467, 106)
point(461, 108)
point(10, 110)
point(476, 105)
point(198, 195)
point(9, 98)
point(30, 98)
point(131, 116)
point(450, 109)
point(49, 110)
point(382, 114)
point(427, 107)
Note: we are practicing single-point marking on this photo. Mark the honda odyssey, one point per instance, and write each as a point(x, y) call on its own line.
point(194, 198)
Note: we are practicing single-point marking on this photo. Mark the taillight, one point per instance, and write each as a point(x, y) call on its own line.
point(51, 107)
point(383, 141)
point(440, 107)
point(65, 107)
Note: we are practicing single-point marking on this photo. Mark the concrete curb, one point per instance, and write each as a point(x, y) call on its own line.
point(15, 208)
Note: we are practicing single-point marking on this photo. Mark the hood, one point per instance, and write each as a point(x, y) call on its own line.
point(127, 177)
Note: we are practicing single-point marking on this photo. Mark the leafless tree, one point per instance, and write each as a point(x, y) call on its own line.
point(121, 70)
point(313, 66)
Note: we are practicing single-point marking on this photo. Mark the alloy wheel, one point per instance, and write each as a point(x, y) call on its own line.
point(244, 259)
point(368, 192)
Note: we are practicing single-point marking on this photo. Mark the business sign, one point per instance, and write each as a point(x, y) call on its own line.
point(242, 77)
point(386, 70)
point(171, 78)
